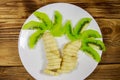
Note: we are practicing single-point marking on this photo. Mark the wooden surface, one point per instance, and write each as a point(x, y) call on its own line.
point(13, 13)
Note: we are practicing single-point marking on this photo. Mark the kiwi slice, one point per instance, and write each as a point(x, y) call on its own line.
point(91, 33)
point(91, 52)
point(34, 25)
point(81, 25)
point(33, 39)
point(95, 43)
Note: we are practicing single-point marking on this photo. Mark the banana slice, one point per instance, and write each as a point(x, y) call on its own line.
point(53, 67)
point(53, 73)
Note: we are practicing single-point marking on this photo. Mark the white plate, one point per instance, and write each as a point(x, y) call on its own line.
point(34, 60)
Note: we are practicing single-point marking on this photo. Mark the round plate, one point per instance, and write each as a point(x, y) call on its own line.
point(34, 59)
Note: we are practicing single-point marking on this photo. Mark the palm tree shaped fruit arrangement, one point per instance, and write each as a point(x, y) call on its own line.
point(47, 30)
point(80, 39)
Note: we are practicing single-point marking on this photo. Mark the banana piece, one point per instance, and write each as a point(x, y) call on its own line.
point(53, 73)
point(52, 55)
point(70, 56)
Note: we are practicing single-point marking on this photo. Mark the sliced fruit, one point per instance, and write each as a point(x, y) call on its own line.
point(43, 17)
point(34, 25)
point(68, 31)
point(57, 60)
point(91, 33)
point(91, 52)
point(93, 43)
point(81, 25)
point(53, 67)
point(57, 17)
point(50, 72)
point(56, 30)
point(33, 39)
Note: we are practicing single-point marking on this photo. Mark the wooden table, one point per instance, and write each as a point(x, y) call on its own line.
point(13, 13)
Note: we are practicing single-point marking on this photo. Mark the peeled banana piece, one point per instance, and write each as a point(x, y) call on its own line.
point(52, 54)
point(55, 64)
point(70, 56)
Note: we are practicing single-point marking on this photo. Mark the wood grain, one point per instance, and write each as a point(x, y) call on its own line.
point(84, 1)
point(106, 72)
point(14, 73)
point(111, 36)
point(9, 53)
point(13, 13)
point(98, 8)
point(23, 8)
point(10, 9)
point(102, 72)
